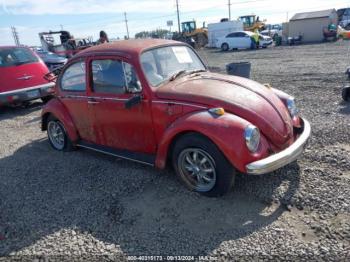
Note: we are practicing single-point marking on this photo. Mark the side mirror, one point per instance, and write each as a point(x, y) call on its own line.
point(135, 100)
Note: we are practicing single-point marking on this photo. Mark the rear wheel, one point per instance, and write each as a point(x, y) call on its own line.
point(224, 47)
point(57, 135)
point(201, 165)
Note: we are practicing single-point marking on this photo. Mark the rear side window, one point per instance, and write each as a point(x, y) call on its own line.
point(73, 78)
point(240, 34)
point(232, 35)
point(16, 56)
point(108, 76)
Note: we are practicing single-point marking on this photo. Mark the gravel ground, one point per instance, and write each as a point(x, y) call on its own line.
point(87, 206)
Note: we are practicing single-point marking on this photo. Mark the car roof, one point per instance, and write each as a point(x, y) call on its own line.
point(134, 46)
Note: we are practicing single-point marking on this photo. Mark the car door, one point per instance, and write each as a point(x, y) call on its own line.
point(231, 40)
point(240, 40)
point(246, 40)
point(73, 87)
point(115, 125)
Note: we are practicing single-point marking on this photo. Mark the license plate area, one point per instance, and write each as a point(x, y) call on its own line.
point(33, 93)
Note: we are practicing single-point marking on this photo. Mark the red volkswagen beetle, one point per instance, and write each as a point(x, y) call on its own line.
point(155, 102)
point(22, 76)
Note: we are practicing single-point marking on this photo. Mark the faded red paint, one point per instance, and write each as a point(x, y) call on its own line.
point(175, 108)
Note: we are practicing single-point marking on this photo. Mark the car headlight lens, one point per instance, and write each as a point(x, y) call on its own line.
point(252, 137)
point(292, 107)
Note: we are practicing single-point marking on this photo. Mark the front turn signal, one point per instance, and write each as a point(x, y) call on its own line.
point(219, 111)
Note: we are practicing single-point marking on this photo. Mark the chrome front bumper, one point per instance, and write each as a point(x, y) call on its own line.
point(282, 158)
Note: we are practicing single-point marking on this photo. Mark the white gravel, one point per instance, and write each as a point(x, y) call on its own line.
point(84, 206)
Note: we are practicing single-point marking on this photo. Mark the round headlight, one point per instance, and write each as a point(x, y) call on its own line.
point(252, 138)
point(292, 107)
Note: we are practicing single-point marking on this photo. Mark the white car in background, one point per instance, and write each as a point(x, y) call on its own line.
point(242, 40)
point(264, 41)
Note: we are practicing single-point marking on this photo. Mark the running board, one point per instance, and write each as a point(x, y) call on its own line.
point(142, 158)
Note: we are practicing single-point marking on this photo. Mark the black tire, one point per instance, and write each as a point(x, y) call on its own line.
point(46, 99)
point(225, 47)
point(66, 144)
point(346, 94)
point(224, 172)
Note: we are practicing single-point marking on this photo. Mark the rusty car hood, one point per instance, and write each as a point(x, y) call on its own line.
point(240, 96)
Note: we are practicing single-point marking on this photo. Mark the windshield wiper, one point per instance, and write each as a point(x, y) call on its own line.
point(177, 74)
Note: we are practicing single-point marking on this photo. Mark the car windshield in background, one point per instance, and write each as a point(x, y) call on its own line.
point(16, 56)
point(165, 63)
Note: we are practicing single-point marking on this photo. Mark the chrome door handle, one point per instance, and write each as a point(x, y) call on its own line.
point(92, 101)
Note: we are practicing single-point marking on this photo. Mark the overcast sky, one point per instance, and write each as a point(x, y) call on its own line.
point(87, 18)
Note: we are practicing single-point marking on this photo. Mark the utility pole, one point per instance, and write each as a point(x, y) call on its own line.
point(229, 10)
point(61, 27)
point(178, 15)
point(126, 24)
point(15, 35)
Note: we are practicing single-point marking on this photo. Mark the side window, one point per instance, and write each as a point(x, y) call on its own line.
point(231, 35)
point(108, 77)
point(73, 78)
point(240, 34)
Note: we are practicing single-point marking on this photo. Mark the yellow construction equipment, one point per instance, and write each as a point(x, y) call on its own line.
point(199, 35)
point(251, 23)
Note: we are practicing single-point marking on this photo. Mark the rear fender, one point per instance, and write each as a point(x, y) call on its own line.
point(226, 131)
point(58, 110)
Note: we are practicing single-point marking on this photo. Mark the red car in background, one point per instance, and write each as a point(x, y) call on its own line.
point(22, 76)
point(155, 102)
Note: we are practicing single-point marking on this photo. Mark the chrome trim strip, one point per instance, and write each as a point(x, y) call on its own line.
point(111, 154)
point(108, 98)
point(28, 88)
point(178, 103)
point(95, 97)
point(282, 158)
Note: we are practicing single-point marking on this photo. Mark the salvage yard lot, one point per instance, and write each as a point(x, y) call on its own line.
point(91, 206)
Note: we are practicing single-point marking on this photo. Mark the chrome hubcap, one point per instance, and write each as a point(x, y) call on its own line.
point(197, 168)
point(56, 134)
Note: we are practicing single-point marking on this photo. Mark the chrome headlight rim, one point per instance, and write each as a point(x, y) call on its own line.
point(252, 138)
point(292, 107)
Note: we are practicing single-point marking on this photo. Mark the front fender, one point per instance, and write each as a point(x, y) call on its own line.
point(226, 131)
point(57, 108)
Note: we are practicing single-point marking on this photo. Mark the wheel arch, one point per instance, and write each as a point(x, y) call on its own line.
point(226, 132)
point(56, 109)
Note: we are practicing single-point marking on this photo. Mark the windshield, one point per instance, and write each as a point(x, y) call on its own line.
point(164, 63)
point(16, 56)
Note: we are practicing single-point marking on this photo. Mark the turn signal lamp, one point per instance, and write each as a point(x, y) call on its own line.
point(219, 111)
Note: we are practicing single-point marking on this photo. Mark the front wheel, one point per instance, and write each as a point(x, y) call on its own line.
point(201, 166)
point(57, 135)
